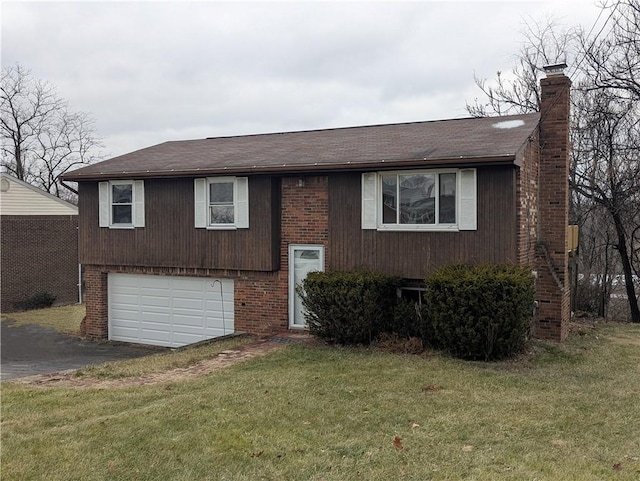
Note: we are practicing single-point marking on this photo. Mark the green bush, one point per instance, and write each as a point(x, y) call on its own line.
point(408, 319)
point(479, 312)
point(37, 301)
point(349, 307)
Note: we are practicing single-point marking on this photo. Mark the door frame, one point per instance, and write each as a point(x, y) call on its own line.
point(292, 292)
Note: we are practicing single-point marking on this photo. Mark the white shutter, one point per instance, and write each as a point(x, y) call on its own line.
point(200, 191)
point(138, 203)
point(105, 205)
point(369, 200)
point(468, 200)
point(242, 203)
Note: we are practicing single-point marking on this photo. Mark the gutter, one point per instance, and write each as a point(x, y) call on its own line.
point(507, 159)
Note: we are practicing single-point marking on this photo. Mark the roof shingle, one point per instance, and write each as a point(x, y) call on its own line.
point(471, 140)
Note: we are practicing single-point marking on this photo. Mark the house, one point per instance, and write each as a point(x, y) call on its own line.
point(39, 245)
point(195, 239)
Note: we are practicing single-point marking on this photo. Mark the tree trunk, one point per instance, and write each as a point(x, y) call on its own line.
point(18, 158)
point(627, 269)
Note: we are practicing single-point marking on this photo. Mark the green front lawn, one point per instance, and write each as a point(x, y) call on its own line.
point(568, 411)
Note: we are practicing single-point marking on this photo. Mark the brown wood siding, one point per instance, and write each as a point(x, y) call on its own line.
point(170, 239)
point(414, 254)
point(276, 206)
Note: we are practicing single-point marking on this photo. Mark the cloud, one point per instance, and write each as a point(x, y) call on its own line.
point(155, 71)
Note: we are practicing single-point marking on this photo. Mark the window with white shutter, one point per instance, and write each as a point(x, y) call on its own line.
point(435, 200)
point(121, 204)
point(221, 203)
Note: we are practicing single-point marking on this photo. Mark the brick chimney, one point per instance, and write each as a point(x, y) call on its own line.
point(552, 284)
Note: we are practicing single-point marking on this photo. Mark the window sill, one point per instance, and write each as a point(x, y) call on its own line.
point(416, 228)
point(222, 227)
point(122, 226)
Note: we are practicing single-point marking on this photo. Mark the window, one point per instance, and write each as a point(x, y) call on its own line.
point(121, 203)
point(419, 200)
point(221, 203)
point(413, 294)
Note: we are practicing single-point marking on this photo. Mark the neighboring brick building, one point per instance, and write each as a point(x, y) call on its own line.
point(39, 245)
point(195, 239)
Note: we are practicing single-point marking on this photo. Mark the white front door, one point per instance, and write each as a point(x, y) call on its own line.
point(302, 260)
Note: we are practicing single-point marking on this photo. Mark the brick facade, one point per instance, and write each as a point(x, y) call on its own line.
point(39, 254)
point(260, 298)
point(95, 324)
point(527, 208)
point(552, 285)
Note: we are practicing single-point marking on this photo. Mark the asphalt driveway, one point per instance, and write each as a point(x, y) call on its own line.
point(31, 349)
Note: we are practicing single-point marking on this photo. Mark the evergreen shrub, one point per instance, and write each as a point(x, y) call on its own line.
point(408, 318)
point(479, 312)
point(37, 301)
point(349, 307)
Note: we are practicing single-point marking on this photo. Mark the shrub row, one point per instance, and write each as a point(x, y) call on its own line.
point(473, 312)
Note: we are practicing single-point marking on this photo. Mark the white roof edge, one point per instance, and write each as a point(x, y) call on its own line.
point(39, 191)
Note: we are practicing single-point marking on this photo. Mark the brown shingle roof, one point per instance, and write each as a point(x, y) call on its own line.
point(460, 141)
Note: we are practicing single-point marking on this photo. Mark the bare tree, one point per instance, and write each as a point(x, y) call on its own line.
point(544, 43)
point(605, 133)
point(635, 245)
point(613, 62)
point(41, 138)
point(611, 87)
point(607, 170)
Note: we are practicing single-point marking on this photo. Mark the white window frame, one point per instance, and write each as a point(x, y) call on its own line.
point(202, 194)
point(466, 201)
point(105, 191)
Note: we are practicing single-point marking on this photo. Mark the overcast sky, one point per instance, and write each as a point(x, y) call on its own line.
point(154, 71)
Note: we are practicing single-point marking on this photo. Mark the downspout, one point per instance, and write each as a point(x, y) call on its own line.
point(79, 283)
point(67, 186)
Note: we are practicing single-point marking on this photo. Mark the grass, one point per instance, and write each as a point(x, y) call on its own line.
point(65, 319)
point(566, 411)
point(179, 358)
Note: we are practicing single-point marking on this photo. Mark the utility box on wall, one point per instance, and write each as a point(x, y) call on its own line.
point(572, 238)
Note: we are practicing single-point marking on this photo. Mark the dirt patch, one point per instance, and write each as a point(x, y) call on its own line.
point(68, 379)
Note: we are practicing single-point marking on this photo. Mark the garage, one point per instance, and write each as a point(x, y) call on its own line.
point(168, 311)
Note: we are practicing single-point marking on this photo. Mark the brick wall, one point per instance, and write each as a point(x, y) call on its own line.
point(305, 215)
point(95, 324)
point(260, 298)
point(39, 254)
point(527, 195)
point(552, 285)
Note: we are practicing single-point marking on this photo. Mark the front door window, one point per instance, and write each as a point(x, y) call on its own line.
point(302, 260)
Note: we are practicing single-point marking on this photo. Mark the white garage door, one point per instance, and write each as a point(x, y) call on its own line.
point(169, 311)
